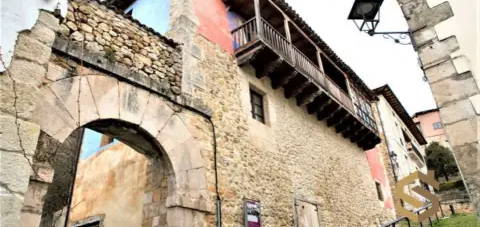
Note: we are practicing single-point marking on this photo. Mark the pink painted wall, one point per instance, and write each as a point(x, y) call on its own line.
point(377, 170)
point(214, 26)
point(426, 124)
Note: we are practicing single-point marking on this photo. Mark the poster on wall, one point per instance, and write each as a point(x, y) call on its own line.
point(252, 213)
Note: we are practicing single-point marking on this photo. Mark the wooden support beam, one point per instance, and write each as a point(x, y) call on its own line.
point(337, 117)
point(281, 81)
point(296, 87)
point(308, 95)
point(328, 111)
point(270, 67)
point(343, 126)
point(317, 103)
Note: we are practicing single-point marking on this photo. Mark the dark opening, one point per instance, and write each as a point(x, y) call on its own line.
point(334, 74)
point(379, 191)
point(256, 100)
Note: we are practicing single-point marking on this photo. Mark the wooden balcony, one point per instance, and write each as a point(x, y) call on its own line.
point(272, 55)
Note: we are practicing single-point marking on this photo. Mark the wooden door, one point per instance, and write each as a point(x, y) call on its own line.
point(307, 214)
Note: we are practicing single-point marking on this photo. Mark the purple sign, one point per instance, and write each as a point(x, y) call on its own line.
point(252, 214)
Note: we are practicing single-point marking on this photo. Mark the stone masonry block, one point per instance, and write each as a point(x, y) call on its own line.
point(88, 108)
point(412, 7)
point(34, 197)
point(53, 117)
point(476, 103)
point(437, 52)
point(105, 92)
point(424, 36)
point(156, 115)
point(454, 89)
point(10, 210)
point(32, 49)
point(463, 132)
point(67, 92)
point(427, 17)
point(441, 71)
point(133, 102)
point(456, 111)
point(27, 72)
point(9, 139)
point(49, 20)
point(56, 72)
point(43, 34)
point(467, 157)
point(15, 172)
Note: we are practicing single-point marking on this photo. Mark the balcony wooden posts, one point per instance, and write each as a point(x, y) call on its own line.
point(258, 17)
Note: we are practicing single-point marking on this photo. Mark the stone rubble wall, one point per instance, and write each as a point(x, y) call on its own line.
point(124, 40)
point(456, 93)
point(293, 156)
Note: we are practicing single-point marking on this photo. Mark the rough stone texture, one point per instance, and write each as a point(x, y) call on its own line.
point(454, 89)
point(456, 92)
point(307, 157)
point(109, 34)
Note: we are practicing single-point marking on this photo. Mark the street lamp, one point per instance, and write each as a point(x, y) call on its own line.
point(366, 16)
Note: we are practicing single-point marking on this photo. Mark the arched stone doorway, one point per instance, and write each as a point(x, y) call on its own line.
point(139, 118)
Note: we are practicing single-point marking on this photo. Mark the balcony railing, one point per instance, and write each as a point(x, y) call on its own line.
point(247, 34)
point(413, 148)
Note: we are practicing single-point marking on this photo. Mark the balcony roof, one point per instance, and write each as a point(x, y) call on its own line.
point(387, 92)
point(293, 15)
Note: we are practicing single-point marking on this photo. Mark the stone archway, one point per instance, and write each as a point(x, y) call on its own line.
point(97, 101)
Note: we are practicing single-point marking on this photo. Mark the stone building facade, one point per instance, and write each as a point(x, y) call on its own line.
point(187, 109)
point(448, 58)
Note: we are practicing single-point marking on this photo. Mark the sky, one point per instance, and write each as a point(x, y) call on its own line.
point(376, 60)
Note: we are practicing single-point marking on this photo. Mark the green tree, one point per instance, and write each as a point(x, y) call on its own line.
point(441, 160)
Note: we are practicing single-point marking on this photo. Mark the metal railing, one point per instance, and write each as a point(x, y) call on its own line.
point(248, 33)
point(404, 221)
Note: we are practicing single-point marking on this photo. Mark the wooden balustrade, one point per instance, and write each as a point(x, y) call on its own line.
point(248, 33)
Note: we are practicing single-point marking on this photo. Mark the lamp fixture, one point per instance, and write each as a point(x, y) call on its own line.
point(366, 16)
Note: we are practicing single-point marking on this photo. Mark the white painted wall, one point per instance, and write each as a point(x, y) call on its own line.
point(465, 25)
point(20, 15)
point(393, 126)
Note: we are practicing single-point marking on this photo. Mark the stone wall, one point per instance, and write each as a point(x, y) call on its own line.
point(104, 31)
point(455, 90)
point(293, 156)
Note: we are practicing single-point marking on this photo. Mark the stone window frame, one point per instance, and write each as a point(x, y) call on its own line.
point(90, 220)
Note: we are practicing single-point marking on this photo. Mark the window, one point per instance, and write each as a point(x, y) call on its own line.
point(437, 125)
point(379, 191)
point(256, 99)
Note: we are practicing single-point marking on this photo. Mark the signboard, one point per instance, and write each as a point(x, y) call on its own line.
point(252, 213)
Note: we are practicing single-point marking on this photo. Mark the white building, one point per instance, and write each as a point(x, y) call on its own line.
point(404, 141)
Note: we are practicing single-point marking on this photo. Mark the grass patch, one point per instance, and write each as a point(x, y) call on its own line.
point(459, 220)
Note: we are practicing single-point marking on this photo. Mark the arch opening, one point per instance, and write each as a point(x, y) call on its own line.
point(106, 173)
